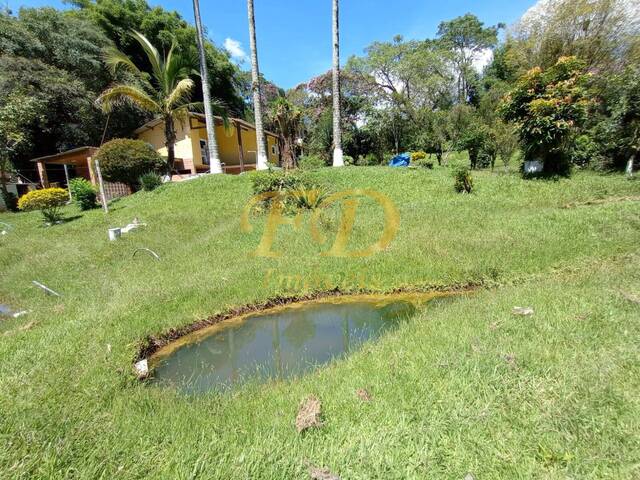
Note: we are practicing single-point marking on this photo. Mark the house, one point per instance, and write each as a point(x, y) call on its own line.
point(236, 147)
point(236, 144)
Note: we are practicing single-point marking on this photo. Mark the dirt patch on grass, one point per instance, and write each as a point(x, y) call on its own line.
point(603, 201)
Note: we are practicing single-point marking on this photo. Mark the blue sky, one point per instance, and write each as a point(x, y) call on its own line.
point(294, 36)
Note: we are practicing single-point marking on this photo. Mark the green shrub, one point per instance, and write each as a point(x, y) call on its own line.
point(277, 181)
point(369, 159)
point(308, 198)
point(348, 160)
point(311, 162)
point(422, 162)
point(124, 160)
point(83, 193)
point(10, 201)
point(295, 190)
point(48, 201)
point(463, 180)
point(150, 181)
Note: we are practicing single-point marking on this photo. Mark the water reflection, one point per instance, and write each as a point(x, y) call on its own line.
point(278, 345)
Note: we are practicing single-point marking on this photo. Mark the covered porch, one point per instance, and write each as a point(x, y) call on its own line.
point(56, 171)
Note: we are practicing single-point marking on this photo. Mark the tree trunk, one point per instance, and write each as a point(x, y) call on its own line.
point(3, 182)
point(629, 169)
point(170, 141)
point(261, 160)
point(338, 161)
point(212, 144)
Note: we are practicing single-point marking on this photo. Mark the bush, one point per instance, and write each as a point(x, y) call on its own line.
point(296, 190)
point(308, 198)
point(348, 160)
point(10, 201)
point(83, 193)
point(124, 160)
point(150, 181)
point(367, 160)
point(423, 162)
point(48, 201)
point(463, 180)
point(311, 162)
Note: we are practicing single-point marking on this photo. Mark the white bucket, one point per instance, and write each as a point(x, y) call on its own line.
point(114, 233)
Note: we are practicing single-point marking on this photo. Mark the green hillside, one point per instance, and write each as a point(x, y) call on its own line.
point(464, 386)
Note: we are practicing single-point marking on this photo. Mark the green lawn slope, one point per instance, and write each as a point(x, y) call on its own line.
point(464, 386)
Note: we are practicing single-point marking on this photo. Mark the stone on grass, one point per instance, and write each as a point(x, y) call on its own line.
point(469, 476)
point(142, 369)
point(525, 311)
point(308, 414)
point(321, 474)
point(363, 395)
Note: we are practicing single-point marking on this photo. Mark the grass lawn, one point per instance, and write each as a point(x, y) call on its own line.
point(464, 386)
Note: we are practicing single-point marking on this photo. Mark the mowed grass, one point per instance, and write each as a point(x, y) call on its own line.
point(465, 386)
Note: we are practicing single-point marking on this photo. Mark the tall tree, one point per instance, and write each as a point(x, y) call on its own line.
point(212, 144)
point(165, 91)
point(338, 161)
point(468, 38)
point(261, 160)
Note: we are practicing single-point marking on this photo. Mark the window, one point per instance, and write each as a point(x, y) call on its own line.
point(204, 152)
point(273, 150)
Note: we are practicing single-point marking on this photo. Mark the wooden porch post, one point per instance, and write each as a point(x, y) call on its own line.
point(240, 149)
point(92, 175)
point(42, 172)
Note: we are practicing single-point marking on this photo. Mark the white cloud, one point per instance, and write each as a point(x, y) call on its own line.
point(234, 47)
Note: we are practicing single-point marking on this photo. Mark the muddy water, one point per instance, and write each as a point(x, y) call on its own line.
point(276, 344)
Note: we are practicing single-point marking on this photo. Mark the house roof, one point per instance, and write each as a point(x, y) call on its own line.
point(68, 157)
point(157, 121)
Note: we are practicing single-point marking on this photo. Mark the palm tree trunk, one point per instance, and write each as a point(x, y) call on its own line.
point(261, 160)
point(629, 169)
point(214, 159)
point(338, 161)
point(170, 141)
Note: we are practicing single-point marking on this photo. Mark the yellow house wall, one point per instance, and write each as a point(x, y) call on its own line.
point(188, 143)
point(183, 147)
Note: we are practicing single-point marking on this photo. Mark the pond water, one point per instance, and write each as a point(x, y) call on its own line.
point(276, 344)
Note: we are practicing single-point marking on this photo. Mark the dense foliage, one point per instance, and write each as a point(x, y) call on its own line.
point(53, 59)
point(124, 160)
point(549, 107)
point(48, 200)
point(438, 95)
point(83, 193)
point(150, 181)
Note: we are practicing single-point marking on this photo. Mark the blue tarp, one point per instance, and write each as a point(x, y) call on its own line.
point(402, 160)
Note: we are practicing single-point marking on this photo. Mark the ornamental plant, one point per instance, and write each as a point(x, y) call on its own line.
point(548, 108)
point(463, 182)
point(48, 200)
point(125, 160)
point(83, 193)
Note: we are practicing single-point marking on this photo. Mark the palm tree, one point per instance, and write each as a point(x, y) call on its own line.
point(337, 130)
point(212, 144)
point(164, 92)
point(261, 160)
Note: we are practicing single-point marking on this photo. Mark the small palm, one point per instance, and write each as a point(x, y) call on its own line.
point(165, 91)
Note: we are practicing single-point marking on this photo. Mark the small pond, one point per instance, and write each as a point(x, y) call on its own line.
point(277, 343)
